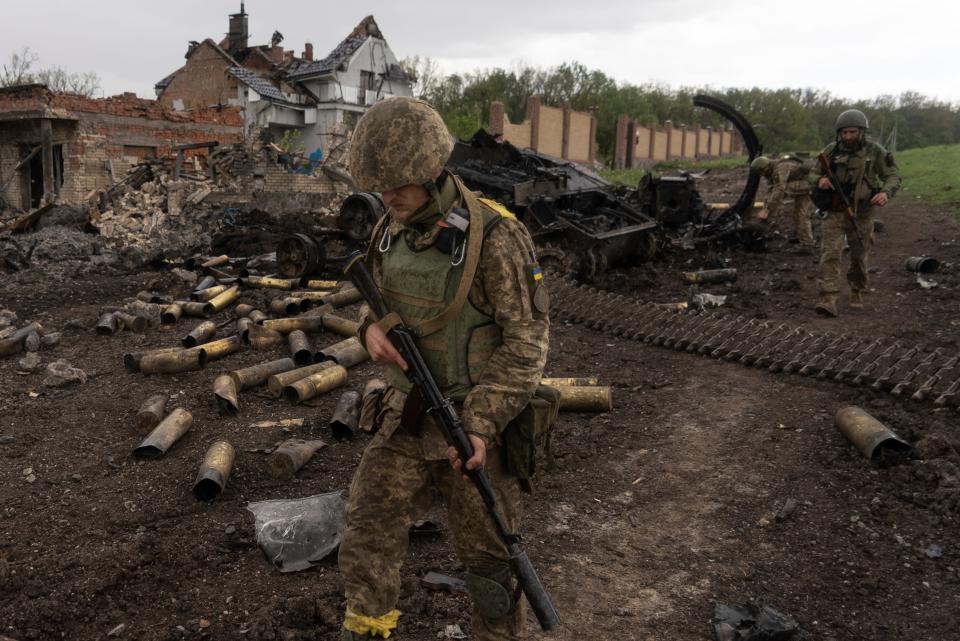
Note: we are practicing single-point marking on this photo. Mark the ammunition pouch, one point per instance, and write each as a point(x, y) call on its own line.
point(822, 198)
point(492, 599)
point(530, 431)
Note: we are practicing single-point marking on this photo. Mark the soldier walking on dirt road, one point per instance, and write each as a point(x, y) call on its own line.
point(461, 273)
point(869, 178)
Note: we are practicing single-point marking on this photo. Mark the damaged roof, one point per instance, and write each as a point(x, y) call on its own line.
point(341, 53)
point(261, 85)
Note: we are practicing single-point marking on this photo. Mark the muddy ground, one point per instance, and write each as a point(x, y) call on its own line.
point(653, 513)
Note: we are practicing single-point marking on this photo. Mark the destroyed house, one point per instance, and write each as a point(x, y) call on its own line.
point(278, 91)
point(59, 147)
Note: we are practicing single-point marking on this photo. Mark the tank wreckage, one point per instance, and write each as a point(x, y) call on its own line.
point(582, 224)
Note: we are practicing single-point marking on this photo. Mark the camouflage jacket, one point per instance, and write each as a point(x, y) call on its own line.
point(789, 178)
point(503, 290)
point(875, 166)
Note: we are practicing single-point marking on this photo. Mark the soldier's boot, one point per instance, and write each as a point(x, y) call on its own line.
point(827, 305)
point(856, 299)
point(347, 635)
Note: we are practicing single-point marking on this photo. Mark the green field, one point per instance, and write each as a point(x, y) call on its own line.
point(932, 174)
point(632, 176)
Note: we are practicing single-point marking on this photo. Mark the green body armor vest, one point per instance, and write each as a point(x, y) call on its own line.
point(418, 285)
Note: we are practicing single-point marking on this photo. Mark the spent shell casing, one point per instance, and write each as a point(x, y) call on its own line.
point(203, 295)
point(267, 282)
point(108, 324)
point(300, 347)
point(585, 399)
point(258, 374)
point(225, 394)
point(243, 328)
point(165, 434)
point(216, 261)
point(215, 350)
point(132, 323)
point(257, 316)
point(132, 360)
point(151, 412)
point(315, 384)
point(340, 325)
point(193, 308)
point(214, 471)
point(348, 352)
point(315, 296)
point(285, 306)
point(222, 300)
point(312, 283)
point(346, 415)
point(205, 283)
point(875, 440)
point(570, 382)
point(287, 325)
point(243, 309)
point(710, 276)
point(172, 362)
point(171, 314)
point(200, 334)
point(260, 337)
point(277, 382)
point(291, 455)
point(346, 296)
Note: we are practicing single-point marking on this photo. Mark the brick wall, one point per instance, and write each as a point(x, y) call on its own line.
point(554, 131)
point(276, 178)
point(202, 82)
point(638, 145)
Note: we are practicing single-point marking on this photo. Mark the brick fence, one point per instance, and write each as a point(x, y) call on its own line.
point(560, 132)
point(652, 143)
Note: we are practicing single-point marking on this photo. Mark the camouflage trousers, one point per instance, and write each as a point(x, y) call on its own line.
point(834, 229)
point(395, 485)
point(795, 218)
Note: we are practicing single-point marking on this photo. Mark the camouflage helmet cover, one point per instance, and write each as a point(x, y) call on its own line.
point(399, 141)
point(851, 118)
point(760, 165)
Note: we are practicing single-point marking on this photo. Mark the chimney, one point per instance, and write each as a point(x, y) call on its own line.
point(307, 51)
point(237, 37)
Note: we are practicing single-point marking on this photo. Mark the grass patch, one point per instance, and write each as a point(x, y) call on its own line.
point(631, 177)
point(932, 174)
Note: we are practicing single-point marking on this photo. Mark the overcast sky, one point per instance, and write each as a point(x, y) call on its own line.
point(854, 49)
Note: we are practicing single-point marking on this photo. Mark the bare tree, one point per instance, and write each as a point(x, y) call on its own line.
point(19, 71)
point(425, 74)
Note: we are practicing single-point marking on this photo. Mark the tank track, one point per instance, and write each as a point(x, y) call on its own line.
point(883, 364)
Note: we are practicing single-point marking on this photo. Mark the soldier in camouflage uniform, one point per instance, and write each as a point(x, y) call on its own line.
point(788, 177)
point(870, 178)
point(485, 338)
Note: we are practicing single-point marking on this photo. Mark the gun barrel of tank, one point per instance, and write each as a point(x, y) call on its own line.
point(585, 398)
point(165, 434)
point(291, 455)
point(287, 325)
point(214, 471)
point(346, 415)
point(348, 352)
point(277, 382)
point(875, 440)
point(315, 384)
point(151, 412)
point(221, 301)
point(340, 325)
point(258, 374)
point(200, 334)
point(225, 394)
point(300, 347)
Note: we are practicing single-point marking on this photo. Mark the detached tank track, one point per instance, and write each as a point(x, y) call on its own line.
point(884, 364)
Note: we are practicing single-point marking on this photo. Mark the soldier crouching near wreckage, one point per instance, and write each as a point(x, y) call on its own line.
point(868, 178)
point(485, 340)
point(788, 177)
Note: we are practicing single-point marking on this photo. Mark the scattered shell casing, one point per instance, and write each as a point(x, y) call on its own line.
point(219, 349)
point(216, 261)
point(132, 323)
point(370, 405)
point(203, 295)
point(300, 347)
point(277, 382)
point(346, 415)
point(171, 314)
point(165, 434)
point(222, 300)
point(310, 283)
point(243, 309)
point(260, 337)
point(346, 296)
point(315, 384)
point(585, 398)
point(243, 328)
point(151, 412)
point(875, 440)
point(214, 471)
point(173, 361)
point(569, 382)
point(267, 282)
point(258, 374)
point(257, 316)
point(285, 306)
point(205, 283)
point(340, 325)
point(108, 324)
point(347, 352)
point(290, 456)
point(287, 325)
point(225, 393)
point(200, 334)
point(132, 360)
point(710, 276)
point(13, 344)
point(315, 296)
point(193, 308)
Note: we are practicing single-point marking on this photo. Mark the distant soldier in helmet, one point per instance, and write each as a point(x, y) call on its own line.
point(870, 178)
point(788, 176)
point(462, 274)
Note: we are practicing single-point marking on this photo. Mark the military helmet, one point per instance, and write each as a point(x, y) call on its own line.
point(760, 165)
point(399, 141)
point(851, 118)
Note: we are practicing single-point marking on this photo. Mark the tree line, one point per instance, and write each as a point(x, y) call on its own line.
point(784, 119)
point(21, 69)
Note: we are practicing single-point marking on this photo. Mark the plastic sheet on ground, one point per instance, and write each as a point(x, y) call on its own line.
point(296, 533)
point(755, 621)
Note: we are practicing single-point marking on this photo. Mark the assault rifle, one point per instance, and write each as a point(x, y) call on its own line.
point(442, 410)
point(838, 190)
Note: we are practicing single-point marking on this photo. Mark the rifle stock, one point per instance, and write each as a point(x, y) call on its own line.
point(442, 410)
point(838, 190)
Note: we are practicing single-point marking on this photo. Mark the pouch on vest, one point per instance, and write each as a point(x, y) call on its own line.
point(530, 432)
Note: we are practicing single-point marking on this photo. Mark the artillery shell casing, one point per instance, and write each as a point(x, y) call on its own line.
point(711, 276)
point(13, 344)
point(258, 374)
point(310, 283)
point(193, 308)
point(585, 399)
point(172, 362)
point(214, 471)
point(222, 300)
point(347, 352)
point(290, 456)
point(346, 415)
point(285, 306)
point(370, 405)
point(267, 282)
point(276, 382)
point(132, 323)
point(200, 334)
point(243, 328)
point(171, 314)
point(315, 384)
point(300, 347)
point(108, 324)
point(344, 297)
point(315, 296)
point(243, 309)
point(147, 311)
point(875, 440)
point(151, 412)
point(216, 350)
point(570, 382)
point(287, 325)
point(216, 261)
point(257, 316)
point(165, 434)
point(132, 360)
point(340, 325)
point(205, 282)
point(261, 338)
point(225, 393)
point(203, 295)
